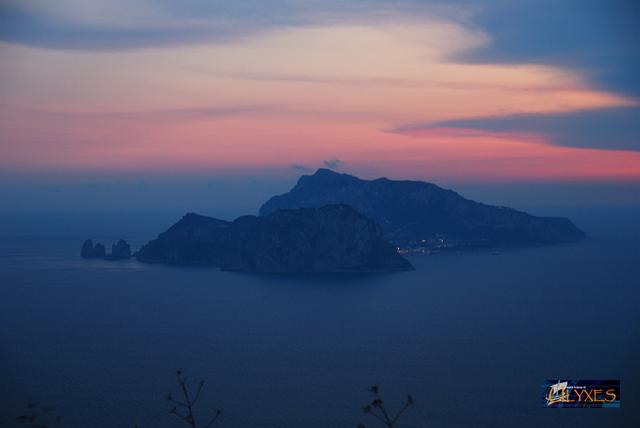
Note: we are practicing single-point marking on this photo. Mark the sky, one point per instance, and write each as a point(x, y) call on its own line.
point(130, 94)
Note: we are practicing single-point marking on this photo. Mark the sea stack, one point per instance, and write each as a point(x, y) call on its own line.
point(89, 251)
point(120, 251)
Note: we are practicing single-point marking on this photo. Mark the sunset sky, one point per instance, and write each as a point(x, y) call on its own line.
point(476, 91)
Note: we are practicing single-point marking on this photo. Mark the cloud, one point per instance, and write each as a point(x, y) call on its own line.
point(179, 113)
point(301, 168)
point(332, 163)
point(96, 25)
point(608, 128)
point(308, 78)
point(597, 38)
point(118, 24)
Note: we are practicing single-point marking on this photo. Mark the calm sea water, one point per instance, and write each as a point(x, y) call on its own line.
point(471, 336)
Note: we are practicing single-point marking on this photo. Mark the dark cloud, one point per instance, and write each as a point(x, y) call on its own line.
point(186, 21)
point(598, 37)
point(190, 21)
point(332, 163)
point(608, 128)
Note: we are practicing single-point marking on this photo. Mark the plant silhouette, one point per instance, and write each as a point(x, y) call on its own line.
point(378, 410)
point(39, 416)
point(183, 408)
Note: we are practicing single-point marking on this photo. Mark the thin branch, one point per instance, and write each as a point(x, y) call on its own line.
point(400, 412)
point(379, 411)
point(200, 385)
point(188, 403)
point(213, 420)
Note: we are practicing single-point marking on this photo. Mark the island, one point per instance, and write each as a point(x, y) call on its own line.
point(119, 251)
point(332, 222)
point(333, 238)
point(90, 251)
point(418, 216)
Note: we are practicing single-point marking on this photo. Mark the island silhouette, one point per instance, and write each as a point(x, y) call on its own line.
point(336, 223)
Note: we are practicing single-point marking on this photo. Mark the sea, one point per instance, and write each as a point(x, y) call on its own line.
point(470, 335)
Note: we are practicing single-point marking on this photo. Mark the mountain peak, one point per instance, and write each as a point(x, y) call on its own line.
point(413, 213)
point(327, 177)
point(325, 171)
point(328, 173)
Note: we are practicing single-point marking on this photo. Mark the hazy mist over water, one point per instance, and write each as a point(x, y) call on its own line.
point(144, 206)
point(471, 335)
